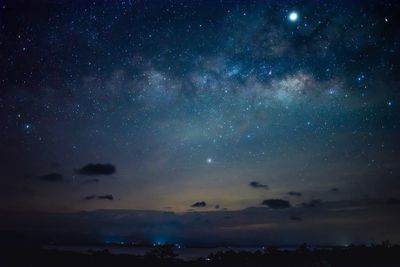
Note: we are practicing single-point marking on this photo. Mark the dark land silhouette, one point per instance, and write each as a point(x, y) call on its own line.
point(382, 255)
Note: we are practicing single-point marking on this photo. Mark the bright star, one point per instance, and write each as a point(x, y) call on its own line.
point(361, 77)
point(209, 160)
point(293, 16)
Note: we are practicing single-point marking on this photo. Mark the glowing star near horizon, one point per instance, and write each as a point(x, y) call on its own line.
point(293, 16)
point(209, 160)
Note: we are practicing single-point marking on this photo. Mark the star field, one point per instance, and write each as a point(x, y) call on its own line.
point(191, 101)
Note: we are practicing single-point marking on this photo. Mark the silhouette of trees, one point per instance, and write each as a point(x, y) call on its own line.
point(376, 255)
point(163, 252)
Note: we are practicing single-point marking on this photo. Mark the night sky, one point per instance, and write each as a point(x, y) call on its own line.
point(194, 121)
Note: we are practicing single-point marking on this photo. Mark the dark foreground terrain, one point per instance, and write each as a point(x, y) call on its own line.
point(378, 256)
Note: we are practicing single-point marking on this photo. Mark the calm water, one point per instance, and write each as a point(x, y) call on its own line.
point(184, 253)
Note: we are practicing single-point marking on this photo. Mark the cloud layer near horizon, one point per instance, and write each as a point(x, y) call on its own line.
point(351, 221)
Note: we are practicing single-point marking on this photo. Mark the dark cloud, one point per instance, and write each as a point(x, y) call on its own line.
point(89, 197)
point(336, 190)
point(51, 177)
point(311, 204)
point(97, 169)
point(295, 218)
point(295, 194)
point(276, 203)
point(200, 204)
point(256, 184)
point(108, 197)
point(255, 223)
